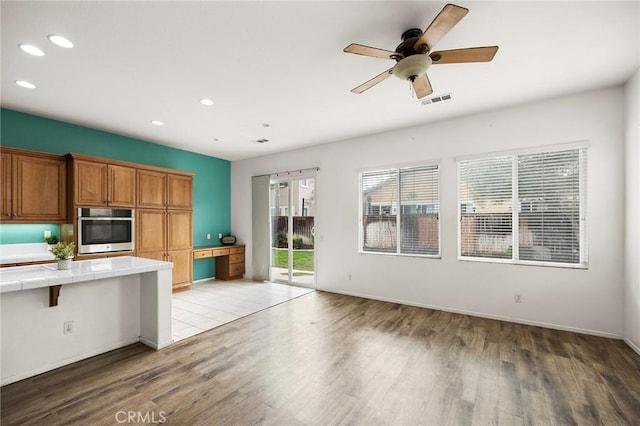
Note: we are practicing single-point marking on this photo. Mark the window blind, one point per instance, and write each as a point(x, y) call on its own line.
point(526, 208)
point(379, 208)
point(486, 205)
point(549, 206)
point(419, 210)
point(405, 199)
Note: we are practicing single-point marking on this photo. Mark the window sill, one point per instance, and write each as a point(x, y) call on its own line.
point(524, 262)
point(421, 256)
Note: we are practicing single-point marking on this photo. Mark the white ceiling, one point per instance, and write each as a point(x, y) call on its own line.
point(282, 63)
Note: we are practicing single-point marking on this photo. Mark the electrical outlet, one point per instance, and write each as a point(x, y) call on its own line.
point(208, 236)
point(517, 298)
point(68, 327)
point(47, 234)
point(220, 236)
point(349, 277)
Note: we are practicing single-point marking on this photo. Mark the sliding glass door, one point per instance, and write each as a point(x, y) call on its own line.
point(293, 207)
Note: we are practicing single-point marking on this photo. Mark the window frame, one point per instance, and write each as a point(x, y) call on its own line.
point(398, 204)
point(582, 147)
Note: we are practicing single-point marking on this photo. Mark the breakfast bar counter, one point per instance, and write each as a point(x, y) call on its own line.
point(100, 305)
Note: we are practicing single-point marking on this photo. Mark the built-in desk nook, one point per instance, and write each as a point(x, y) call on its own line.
point(229, 260)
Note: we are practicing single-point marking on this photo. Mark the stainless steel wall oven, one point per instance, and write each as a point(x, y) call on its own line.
point(105, 230)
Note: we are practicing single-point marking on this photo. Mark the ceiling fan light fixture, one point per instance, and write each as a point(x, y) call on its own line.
point(412, 66)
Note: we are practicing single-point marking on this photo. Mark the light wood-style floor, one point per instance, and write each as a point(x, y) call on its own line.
point(330, 359)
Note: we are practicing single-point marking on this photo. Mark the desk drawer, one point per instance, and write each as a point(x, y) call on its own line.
point(220, 252)
point(236, 269)
point(236, 258)
point(199, 254)
point(236, 250)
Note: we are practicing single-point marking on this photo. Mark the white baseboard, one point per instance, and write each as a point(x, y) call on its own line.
point(483, 315)
point(156, 346)
point(632, 345)
point(62, 363)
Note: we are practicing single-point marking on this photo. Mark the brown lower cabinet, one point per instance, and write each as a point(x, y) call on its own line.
point(167, 235)
point(182, 266)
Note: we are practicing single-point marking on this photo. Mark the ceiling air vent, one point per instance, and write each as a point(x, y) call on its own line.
point(435, 99)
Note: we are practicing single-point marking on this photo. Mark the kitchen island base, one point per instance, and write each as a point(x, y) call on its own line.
point(92, 317)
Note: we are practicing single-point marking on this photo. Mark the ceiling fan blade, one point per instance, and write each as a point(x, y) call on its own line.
point(375, 80)
point(360, 49)
point(458, 56)
point(422, 86)
point(448, 17)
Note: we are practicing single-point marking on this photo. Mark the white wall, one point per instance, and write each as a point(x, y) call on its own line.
point(582, 300)
point(632, 218)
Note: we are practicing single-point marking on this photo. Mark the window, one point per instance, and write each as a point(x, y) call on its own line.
point(400, 211)
point(526, 208)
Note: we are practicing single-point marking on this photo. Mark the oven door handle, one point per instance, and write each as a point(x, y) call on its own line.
point(130, 219)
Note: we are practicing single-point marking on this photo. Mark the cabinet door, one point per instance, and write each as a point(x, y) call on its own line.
point(180, 192)
point(122, 186)
point(152, 189)
point(182, 265)
point(5, 186)
point(39, 189)
point(90, 183)
point(179, 229)
point(151, 231)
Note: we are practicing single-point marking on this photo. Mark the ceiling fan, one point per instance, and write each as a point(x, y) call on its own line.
point(414, 55)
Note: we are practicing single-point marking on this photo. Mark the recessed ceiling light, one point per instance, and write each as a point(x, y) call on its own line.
point(60, 41)
point(25, 84)
point(213, 139)
point(157, 122)
point(31, 49)
point(206, 101)
point(263, 140)
point(266, 125)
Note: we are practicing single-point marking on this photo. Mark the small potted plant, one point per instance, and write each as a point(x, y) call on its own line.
point(52, 240)
point(63, 252)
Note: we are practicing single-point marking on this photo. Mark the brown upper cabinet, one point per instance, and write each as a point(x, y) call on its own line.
point(159, 190)
point(103, 184)
point(33, 187)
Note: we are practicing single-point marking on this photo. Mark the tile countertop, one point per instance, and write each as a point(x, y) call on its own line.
point(36, 276)
point(18, 253)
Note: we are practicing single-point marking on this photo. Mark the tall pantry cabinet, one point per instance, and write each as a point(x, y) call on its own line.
point(164, 221)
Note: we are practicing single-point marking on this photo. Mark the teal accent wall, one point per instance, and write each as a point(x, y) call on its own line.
point(211, 183)
point(20, 234)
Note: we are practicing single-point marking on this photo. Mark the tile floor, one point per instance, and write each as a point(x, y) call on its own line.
point(209, 304)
